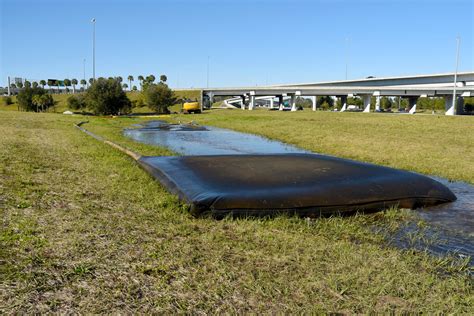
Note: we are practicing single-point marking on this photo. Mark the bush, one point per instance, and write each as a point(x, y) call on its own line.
point(106, 97)
point(159, 97)
point(7, 100)
point(138, 103)
point(76, 102)
point(34, 99)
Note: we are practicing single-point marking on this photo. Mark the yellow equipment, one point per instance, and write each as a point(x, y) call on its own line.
point(191, 107)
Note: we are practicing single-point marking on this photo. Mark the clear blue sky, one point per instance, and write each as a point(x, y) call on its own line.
point(249, 42)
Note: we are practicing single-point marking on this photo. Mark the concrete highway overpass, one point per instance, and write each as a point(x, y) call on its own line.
point(410, 87)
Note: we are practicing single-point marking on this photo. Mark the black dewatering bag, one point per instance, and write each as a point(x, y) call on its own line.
point(303, 184)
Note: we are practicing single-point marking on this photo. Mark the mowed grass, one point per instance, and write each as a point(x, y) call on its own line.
point(430, 144)
point(85, 230)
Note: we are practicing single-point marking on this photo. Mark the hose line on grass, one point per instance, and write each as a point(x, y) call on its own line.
point(127, 151)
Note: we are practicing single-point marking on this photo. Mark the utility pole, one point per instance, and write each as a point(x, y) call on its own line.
point(9, 92)
point(93, 48)
point(458, 42)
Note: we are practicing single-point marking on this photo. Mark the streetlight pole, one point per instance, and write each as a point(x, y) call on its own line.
point(458, 42)
point(93, 48)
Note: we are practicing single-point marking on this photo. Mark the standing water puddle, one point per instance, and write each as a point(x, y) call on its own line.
point(451, 225)
point(191, 140)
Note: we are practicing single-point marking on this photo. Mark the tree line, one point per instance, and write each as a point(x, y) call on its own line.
point(104, 96)
point(143, 80)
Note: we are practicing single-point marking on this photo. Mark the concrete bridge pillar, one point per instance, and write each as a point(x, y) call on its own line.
point(460, 105)
point(293, 102)
point(252, 102)
point(314, 100)
point(412, 104)
point(271, 102)
point(451, 108)
point(366, 98)
point(243, 102)
point(449, 105)
point(377, 103)
point(343, 103)
point(280, 102)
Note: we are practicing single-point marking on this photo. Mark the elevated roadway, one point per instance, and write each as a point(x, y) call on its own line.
point(410, 87)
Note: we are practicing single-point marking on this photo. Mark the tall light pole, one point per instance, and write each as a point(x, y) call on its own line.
point(93, 48)
point(458, 42)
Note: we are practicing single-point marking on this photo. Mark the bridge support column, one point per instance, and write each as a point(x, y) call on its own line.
point(343, 103)
point(271, 103)
point(460, 105)
point(243, 102)
point(366, 99)
point(280, 102)
point(412, 104)
point(377, 103)
point(314, 100)
point(293, 102)
point(252, 102)
point(449, 105)
point(451, 108)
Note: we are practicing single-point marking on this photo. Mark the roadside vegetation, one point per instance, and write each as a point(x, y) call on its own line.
point(153, 97)
point(84, 229)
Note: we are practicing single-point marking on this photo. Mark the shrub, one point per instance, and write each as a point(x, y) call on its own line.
point(76, 102)
point(7, 100)
point(34, 99)
point(159, 97)
point(138, 103)
point(106, 97)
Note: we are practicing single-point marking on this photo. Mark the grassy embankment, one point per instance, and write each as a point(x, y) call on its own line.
point(430, 144)
point(85, 229)
point(61, 102)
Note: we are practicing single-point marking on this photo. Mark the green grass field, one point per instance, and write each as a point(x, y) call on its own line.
point(430, 144)
point(85, 230)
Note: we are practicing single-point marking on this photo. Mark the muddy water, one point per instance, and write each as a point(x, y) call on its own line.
point(450, 226)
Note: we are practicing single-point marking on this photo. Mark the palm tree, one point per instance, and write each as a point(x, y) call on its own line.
point(83, 83)
point(42, 83)
point(74, 82)
point(119, 79)
point(27, 84)
point(91, 80)
point(163, 78)
point(150, 78)
point(67, 83)
point(140, 78)
point(130, 79)
point(13, 86)
point(50, 84)
point(35, 84)
point(124, 86)
point(36, 100)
